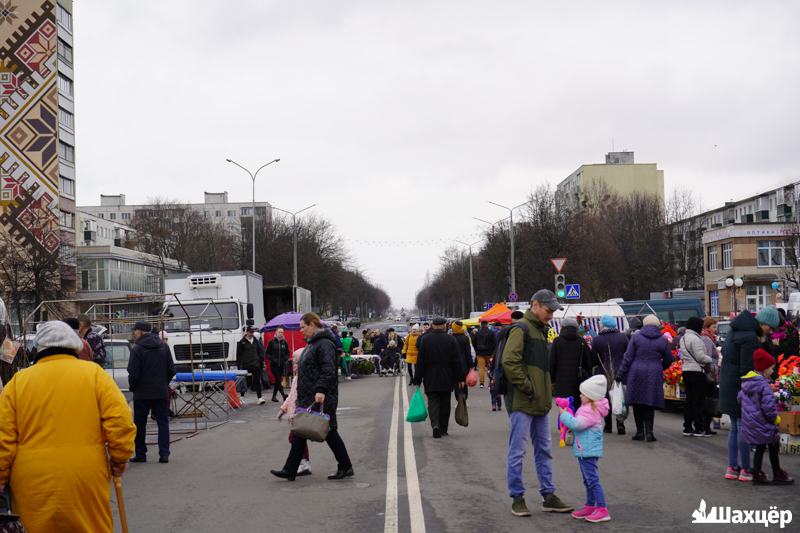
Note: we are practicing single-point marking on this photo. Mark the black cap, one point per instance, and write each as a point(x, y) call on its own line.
point(72, 322)
point(516, 315)
point(143, 326)
point(439, 321)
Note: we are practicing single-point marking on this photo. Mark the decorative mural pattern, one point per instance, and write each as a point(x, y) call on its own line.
point(29, 125)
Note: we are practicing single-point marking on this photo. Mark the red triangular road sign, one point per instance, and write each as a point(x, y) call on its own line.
point(558, 263)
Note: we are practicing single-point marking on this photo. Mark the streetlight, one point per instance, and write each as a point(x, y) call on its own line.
point(471, 283)
point(511, 234)
point(253, 177)
point(294, 245)
point(734, 285)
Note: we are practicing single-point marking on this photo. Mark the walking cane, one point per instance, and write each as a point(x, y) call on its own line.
point(123, 518)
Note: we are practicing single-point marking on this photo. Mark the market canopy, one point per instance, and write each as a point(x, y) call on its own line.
point(285, 320)
point(499, 312)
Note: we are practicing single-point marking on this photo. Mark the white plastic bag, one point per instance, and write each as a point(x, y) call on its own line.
point(617, 400)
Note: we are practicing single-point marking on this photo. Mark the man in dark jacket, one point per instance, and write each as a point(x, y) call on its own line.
point(278, 354)
point(465, 351)
point(250, 357)
point(440, 368)
point(485, 342)
point(150, 370)
point(608, 349)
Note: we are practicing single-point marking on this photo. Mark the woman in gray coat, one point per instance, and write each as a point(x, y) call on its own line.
point(695, 359)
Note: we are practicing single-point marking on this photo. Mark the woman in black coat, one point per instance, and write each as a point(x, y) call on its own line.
point(318, 384)
point(570, 361)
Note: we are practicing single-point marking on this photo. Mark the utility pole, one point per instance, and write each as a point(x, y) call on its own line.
point(511, 237)
point(471, 279)
point(294, 246)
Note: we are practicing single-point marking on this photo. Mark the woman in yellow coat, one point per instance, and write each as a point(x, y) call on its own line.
point(411, 351)
point(56, 419)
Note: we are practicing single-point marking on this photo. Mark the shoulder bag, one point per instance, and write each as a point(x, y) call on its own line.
point(708, 370)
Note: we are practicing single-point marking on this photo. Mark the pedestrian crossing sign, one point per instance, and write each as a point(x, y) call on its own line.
point(573, 291)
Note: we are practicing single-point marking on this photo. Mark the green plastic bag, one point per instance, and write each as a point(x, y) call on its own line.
point(417, 411)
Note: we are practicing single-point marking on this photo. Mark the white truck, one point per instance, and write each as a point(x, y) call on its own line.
point(208, 312)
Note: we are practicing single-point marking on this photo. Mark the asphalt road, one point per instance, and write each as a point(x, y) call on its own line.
point(219, 480)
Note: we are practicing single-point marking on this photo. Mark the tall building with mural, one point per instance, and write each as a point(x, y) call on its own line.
point(37, 136)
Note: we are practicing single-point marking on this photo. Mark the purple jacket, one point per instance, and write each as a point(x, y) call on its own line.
point(759, 410)
point(643, 365)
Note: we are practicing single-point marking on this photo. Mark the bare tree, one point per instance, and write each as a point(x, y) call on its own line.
point(685, 238)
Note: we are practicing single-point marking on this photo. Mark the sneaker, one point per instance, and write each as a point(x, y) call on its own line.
point(600, 514)
point(583, 513)
point(687, 433)
point(518, 507)
point(781, 477)
point(481, 385)
point(732, 473)
point(698, 434)
point(760, 478)
point(305, 468)
point(262, 401)
point(745, 476)
point(349, 378)
point(553, 504)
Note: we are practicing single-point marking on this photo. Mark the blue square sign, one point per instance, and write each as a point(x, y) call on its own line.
point(573, 291)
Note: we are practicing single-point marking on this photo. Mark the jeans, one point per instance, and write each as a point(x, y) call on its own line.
point(439, 409)
point(300, 446)
point(693, 417)
point(345, 368)
point(376, 359)
point(160, 409)
point(537, 428)
point(737, 448)
point(591, 480)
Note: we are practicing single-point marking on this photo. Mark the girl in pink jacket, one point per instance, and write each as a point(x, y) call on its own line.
point(289, 407)
point(587, 426)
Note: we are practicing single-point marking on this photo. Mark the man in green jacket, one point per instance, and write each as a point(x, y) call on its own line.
point(526, 367)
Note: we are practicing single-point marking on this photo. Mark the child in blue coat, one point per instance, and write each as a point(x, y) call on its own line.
point(587, 426)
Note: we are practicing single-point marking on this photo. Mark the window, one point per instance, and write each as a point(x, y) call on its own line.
point(727, 257)
point(112, 216)
point(217, 213)
point(64, 17)
point(712, 258)
point(64, 51)
point(231, 213)
point(246, 211)
point(65, 118)
point(67, 219)
point(102, 215)
point(64, 85)
point(66, 152)
point(126, 216)
point(67, 186)
point(770, 253)
point(758, 297)
point(714, 299)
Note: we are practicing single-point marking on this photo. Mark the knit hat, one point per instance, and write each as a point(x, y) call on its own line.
point(651, 320)
point(695, 323)
point(635, 323)
point(569, 323)
point(608, 321)
point(57, 334)
point(595, 387)
point(762, 360)
point(769, 316)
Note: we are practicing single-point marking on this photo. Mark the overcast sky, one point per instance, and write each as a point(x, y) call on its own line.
point(402, 118)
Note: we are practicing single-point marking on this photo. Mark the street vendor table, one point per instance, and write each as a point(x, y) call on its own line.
point(203, 392)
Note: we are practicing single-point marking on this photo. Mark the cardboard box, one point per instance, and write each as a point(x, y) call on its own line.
point(790, 444)
point(790, 422)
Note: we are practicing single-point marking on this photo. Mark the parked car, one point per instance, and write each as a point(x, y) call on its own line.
point(118, 352)
point(400, 329)
point(354, 322)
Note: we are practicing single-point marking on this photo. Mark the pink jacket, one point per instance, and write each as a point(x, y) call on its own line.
point(587, 425)
point(289, 405)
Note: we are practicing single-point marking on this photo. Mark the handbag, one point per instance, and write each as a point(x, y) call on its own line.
point(9, 522)
point(462, 416)
point(708, 370)
point(311, 425)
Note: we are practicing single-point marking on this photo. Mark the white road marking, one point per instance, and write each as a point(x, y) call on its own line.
point(390, 517)
point(412, 479)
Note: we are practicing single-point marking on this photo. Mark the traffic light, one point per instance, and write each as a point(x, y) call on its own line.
point(561, 286)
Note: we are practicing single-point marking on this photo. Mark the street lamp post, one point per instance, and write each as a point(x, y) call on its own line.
point(253, 177)
point(511, 237)
point(294, 246)
point(471, 283)
point(734, 285)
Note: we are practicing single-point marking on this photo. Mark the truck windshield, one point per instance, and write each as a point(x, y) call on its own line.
point(203, 316)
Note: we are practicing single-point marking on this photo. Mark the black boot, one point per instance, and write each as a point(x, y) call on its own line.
point(620, 427)
point(639, 419)
point(648, 428)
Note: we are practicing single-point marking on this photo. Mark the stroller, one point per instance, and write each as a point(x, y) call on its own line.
point(390, 360)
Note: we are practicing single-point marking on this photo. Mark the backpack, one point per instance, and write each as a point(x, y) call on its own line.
point(482, 340)
point(497, 372)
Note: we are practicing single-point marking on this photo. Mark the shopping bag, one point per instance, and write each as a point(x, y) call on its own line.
point(233, 396)
point(462, 416)
point(310, 424)
point(617, 399)
point(417, 411)
point(472, 378)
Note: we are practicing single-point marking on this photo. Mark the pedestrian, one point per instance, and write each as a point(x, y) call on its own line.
point(570, 361)
point(86, 333)
point(711, 408)
point(61, 422)
point(317, 384)
point(465, 350)
point(440, 368)
point(85, 353)
point(366, 342)
point(642, 371)
point(634, 325)
point(250, 357)
point(695, 360)
point(410, 350)
point(379, 343)
point(528, 400)
point(289, 407)
point(737, 360)
point(347, 357)
point(150, 369)
point(587, 426)
point(608, 349)
point(760, 420)
point(485, 342)
point(278, 355)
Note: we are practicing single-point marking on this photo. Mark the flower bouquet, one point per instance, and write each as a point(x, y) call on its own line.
point(786, 388)
point(674, 374)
